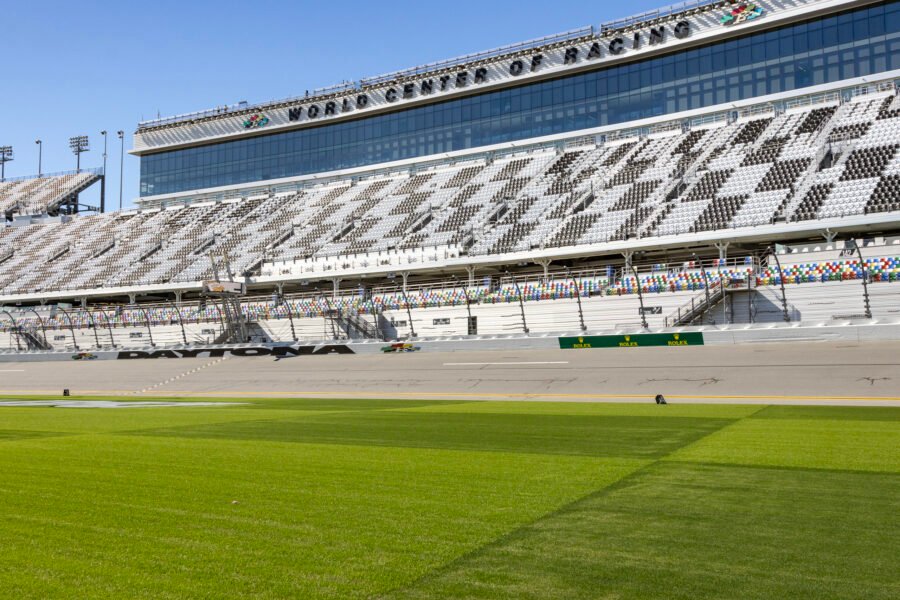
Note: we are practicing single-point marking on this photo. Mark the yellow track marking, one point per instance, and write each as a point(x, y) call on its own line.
point(303, 394)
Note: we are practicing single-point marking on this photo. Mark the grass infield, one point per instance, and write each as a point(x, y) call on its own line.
point(417, 499)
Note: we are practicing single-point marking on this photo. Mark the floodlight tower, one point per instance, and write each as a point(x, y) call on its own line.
point(6, 155)
point(79, 144)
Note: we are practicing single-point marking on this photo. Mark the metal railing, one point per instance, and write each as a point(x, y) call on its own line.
point(98, 172)
point(480, 56)
point(698, 306)
point(659, 13)
point(346, 86)
point(521, 147)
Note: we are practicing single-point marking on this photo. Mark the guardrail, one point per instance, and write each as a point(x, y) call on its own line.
point(378, 79)
point(666, 11)
point(98, 171)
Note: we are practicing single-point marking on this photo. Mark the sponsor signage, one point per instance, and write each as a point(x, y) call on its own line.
point(650, 310)
point(276, 351)
point(223, 287)
point(255, 122)
point(640, 340)
point(742, 13)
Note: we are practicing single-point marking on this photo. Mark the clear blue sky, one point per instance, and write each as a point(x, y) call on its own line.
point(72, 68)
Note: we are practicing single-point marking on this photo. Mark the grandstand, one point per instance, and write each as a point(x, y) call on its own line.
point(823, 287)
point(665, 214)
point(54, 193)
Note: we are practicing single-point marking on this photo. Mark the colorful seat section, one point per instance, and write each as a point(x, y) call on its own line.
point(692, 279)
point(679, 281)
point(688, 278)
point(880, 269)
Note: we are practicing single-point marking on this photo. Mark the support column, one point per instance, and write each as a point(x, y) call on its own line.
point(829, 235)
point(405, 276)
point(470, 271)
point(83, 302)
point(544, 263)
point(132, 298)
point(628, 256)
point(722, 247)
point(335, 287)
point(178, 296)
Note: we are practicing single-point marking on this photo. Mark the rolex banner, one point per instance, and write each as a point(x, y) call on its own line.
point(631, 341)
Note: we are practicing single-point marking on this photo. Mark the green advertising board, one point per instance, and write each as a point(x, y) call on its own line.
point(639, 340)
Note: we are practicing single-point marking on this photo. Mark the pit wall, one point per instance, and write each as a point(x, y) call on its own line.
point(852, 332)
point(819, 306)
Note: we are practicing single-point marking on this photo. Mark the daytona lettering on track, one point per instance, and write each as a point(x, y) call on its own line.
point(277, 351)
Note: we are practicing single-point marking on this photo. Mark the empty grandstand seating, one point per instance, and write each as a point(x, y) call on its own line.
point(35, 195)
point(823, 158)
point(824, 286)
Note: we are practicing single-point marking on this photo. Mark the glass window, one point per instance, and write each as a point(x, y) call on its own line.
point(792, 57)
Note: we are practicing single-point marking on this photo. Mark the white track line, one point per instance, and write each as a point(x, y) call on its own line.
point(479, 364)
point(12, 371)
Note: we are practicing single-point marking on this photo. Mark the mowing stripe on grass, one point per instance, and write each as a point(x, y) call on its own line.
point(685, 531)
point(424, 585)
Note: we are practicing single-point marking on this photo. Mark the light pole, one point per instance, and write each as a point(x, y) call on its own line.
point(103, 180)
point(79, 144)
point(121, 135)
point(865, 278)
point(637, 284)
point(40, 146)
point(103, 133)
point(784, 304)
point(705, 285)
point(6, 155)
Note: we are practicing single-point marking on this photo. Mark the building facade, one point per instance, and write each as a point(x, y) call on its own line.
point(711, 55)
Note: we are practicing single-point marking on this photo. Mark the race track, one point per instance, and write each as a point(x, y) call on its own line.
point(824, 373)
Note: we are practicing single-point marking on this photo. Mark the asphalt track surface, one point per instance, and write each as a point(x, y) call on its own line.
point(805, 373)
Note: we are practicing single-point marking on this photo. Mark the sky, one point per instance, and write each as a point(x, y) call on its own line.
point(77, 68)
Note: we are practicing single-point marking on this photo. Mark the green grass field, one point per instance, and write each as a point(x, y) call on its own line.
point(404, 499)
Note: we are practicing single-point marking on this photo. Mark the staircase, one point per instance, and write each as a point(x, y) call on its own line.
point(29, 338)
point(355, 327)
point(236, 328)
point(33, 340)
point(666, 198)
point(808, 177)
point(700, 305)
